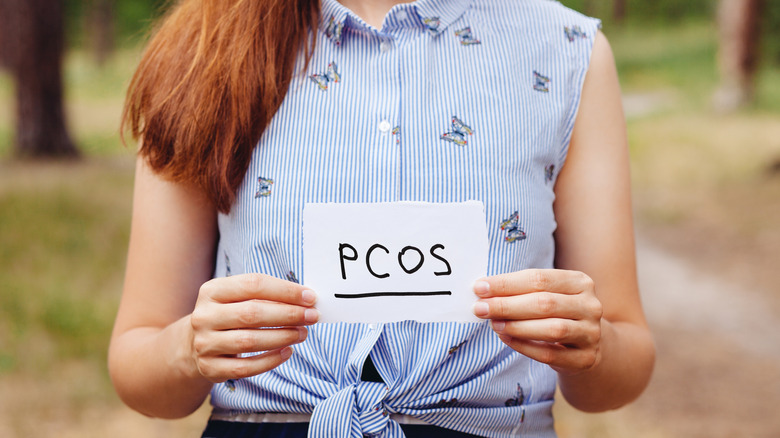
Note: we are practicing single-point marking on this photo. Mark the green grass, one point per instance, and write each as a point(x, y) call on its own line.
point(682, 58)
point(61, 259)
point(768, 94)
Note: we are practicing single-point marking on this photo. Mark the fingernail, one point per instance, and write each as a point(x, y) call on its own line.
point(302, 334)
point(311, 316)
point(309, 296)
point(481, 309)
point(499, 326)
point(482, 288)
point(286, 353)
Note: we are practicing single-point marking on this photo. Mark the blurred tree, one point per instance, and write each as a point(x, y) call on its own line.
point(739, 29)
point(588, 7)
point(3, 35)
point(619, 10)
point(100, 25)
point(770, 32)
point(33, 46)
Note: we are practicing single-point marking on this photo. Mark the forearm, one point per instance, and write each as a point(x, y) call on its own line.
point(627, 358)
point(154, 373)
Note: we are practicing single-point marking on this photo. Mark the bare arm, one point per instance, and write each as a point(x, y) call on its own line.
point(585, 318)
point(177, 332)
point(596, 236)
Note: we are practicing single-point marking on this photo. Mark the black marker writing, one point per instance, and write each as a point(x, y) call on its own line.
point(438, 257)
point(342, 257)
point(401, 259)
point(394, 294)
point(368, 261)
point(406, 262)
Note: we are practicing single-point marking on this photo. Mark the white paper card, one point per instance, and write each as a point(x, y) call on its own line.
point(395, 261)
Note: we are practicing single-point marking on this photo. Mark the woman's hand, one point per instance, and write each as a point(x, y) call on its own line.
point(246, 314)
point(552, 316)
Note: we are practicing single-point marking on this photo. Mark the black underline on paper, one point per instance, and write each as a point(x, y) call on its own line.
point(395, 294)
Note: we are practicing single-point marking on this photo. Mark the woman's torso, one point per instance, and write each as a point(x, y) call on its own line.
point(450, 101)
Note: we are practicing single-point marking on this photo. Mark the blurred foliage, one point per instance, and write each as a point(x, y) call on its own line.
point(771, 30)
point(683, 60)
point(132, 19)
point(643, 11)
point(663, 13)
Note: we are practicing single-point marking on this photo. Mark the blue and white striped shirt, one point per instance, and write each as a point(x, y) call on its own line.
point(449, 101)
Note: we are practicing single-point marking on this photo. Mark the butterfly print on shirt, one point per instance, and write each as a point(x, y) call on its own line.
point(541, 82)
point(323, 79)
point(432, 25)
point(334, 29)
point(549, 172)
point(263, 187)
point(512, 227)
point(574, 32)
point(458, 133)
point(518, 399)
point(466, 37)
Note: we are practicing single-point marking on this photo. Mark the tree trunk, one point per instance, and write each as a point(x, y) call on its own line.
point(101, 29)
point(34, 56)
point(4, 34)
point(738, 23)
point(589, 7)
point(619, 10)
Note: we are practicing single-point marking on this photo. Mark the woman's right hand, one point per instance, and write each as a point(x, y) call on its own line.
point(248, 313)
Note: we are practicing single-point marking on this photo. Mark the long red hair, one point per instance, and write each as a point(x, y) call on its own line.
point(209, 82)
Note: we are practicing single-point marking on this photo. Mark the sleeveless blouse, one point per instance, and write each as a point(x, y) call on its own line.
point(449, 101)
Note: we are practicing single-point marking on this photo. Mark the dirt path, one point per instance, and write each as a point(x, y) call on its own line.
point(718, 367)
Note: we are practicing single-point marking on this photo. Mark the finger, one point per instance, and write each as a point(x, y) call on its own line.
point(532, 306)
point(258, 287)
point(233, 342)
point(567, 332)
point(258, 314)
point(219, 369)
point(533, 280)
point(561, 358)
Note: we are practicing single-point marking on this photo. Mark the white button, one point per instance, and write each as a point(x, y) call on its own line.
point(385, 126)
point(371, 326)
point(401, 15)
point(385, 46)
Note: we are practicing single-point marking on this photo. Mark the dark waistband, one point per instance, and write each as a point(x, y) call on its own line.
point(237, 429)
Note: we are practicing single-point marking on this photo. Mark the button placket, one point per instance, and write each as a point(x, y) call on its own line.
point(383, 100)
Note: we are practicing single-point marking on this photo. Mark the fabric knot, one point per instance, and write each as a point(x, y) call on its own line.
point(353, 412)
point(372, 412)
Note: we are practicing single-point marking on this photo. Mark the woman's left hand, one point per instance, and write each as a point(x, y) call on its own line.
point(552, 316)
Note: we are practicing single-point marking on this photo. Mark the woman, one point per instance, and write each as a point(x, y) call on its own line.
point(249, 109)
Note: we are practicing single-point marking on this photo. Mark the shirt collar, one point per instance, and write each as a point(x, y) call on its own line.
point(433, 15)
point(438, 15)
